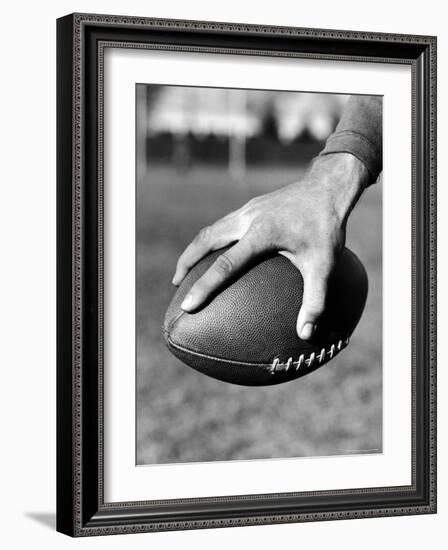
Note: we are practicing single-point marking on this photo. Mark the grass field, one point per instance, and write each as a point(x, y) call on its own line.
point(184, 416)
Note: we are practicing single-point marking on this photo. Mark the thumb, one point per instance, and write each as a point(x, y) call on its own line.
point(313, 302)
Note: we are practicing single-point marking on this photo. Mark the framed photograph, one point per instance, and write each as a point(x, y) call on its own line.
point(246, 274)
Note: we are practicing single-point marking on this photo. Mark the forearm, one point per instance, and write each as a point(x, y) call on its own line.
point(359, 133)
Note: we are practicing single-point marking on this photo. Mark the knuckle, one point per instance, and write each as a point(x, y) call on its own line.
point(244, 219)
point(244, 216)
point(251, 203)
point(224, 264)
point(204, 234)
point(257, 228)
point(263, 234)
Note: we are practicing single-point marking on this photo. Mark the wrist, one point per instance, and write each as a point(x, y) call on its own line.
point(342, 178)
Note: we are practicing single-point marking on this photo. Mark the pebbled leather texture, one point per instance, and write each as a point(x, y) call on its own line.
point(251, 322)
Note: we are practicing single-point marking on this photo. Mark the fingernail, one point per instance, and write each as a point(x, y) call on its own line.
point(187, 303)
point(307, 331)
point(174, 280)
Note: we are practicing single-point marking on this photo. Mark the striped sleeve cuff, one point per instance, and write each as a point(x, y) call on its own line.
point(348, 141)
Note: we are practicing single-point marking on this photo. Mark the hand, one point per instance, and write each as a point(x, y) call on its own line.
point(305, 221)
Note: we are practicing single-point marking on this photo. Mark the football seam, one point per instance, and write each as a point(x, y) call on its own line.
point(275, 365)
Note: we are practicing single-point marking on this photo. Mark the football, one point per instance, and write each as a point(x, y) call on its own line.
point(246, 333)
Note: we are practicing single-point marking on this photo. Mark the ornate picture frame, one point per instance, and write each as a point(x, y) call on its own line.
point(81, 507)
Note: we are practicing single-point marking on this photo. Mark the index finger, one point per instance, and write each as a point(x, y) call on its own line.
point(213, 237)
point(225, 267)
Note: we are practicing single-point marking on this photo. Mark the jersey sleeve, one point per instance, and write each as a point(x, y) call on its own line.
point(360, 132)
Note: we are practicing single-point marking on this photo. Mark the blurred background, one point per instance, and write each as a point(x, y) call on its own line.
point(202, 152)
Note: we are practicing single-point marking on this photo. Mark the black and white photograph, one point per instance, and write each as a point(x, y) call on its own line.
point(258, 274)
point(246, 275)
point(223, 263)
